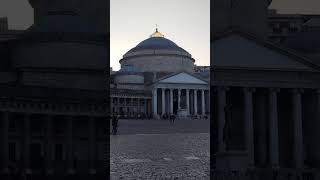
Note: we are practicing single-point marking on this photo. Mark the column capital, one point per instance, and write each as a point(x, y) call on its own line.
point(49, 171)
point(273, 89)
point(249, 89)
point(221, 88)
point(297, 90)
point(26, 115)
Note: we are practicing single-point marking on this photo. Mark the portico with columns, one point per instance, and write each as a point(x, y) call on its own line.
point(48, 137)
point(182, 94)
point(265, 107)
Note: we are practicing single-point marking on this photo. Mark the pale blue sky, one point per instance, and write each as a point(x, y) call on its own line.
point(186, 22)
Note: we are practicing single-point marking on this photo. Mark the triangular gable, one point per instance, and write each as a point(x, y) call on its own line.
point(182, 78)
point(236, 50)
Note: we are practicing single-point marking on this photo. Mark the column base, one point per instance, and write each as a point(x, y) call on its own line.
point(275, 166)
point(71, 171)
point(28, 171)
point(5, 171)
point(92, 171)
point(156, 116)
point(232, 160)
point(49, 171)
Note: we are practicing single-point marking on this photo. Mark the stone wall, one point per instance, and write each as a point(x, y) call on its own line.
point(130, 78)
point(161, 63)
point(65, 80)
point(61, 55)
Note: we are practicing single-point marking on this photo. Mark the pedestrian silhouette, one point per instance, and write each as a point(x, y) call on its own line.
point(114, 124)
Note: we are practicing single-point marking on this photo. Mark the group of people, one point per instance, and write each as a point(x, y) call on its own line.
point(170, 117)
point(115, 119)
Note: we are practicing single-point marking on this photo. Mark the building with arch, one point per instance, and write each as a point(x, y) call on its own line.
point(158, 77)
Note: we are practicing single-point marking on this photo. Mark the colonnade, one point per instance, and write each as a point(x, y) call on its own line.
point(189, 102)
point(272, 123)
point(128, 104)
point(48, 141)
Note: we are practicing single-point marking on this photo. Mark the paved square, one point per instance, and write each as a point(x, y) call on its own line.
point(156, 149)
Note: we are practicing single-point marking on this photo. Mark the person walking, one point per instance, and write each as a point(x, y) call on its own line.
point(173, 118)
point(114, 124)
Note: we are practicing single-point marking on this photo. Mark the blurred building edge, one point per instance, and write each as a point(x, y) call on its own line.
point(54, 96)
point(265, 96)
point(3, 24)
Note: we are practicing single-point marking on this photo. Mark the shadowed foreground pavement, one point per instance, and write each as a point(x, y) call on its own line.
point(156, 149)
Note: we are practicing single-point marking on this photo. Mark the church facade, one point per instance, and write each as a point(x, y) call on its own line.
point(157, 78)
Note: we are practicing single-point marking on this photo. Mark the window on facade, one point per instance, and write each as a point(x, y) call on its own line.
point(12, 151)
point(58, 152)
point(12, 125)
point(58, 126)
point(36, 125)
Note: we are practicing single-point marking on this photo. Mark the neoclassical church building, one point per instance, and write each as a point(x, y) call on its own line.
point(54, 93)
point(265, 94)
point(158, 77)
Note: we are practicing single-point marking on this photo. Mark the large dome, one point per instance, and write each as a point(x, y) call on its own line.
point(158, 53)
point(157, 41)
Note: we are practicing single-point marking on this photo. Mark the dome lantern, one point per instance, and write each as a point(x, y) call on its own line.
point(157, 34)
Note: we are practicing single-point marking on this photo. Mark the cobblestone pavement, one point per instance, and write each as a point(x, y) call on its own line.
point(159, 150)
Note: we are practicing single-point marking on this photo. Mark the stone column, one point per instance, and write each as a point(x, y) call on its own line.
point(145, 106)
point(188, 101)
point(4, 142)
point(179, 99)
point(195, 102)
point(131, 107)
point(139, 105)
point(48, 144)
point(92, 145)
point(297, 125)
point(273, 128)
point(203, 103)
point(163, 104)
point(317, 126)
point(26, 144)
point(248, 117)
point(155, 103)
point(125, 105)
point(69, 143)
point(221, 95)
point(318, 103)
point(261, 123)
point(171, 101)
point(118, 105)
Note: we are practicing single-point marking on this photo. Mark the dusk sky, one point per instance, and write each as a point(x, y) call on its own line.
point(186, 22)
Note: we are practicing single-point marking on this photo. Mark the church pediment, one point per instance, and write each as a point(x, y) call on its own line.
point(182, 78)
point(238, 51)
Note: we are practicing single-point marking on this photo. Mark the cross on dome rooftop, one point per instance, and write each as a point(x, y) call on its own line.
point(157, 34)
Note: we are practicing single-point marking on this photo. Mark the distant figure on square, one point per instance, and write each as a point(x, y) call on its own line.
point(171, 119)
point(114, 124)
